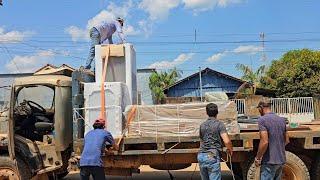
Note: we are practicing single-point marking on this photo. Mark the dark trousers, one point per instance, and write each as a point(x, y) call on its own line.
point(96, 172)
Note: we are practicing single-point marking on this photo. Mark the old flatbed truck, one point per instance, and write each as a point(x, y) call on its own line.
point(56, 141)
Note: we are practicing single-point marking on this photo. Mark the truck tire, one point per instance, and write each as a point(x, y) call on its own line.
point(315, 169)
point(9, 169)
point(294, 169)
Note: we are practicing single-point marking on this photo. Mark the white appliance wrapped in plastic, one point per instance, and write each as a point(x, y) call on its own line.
point(116, 93)
point(114, 123)
point(121, 66)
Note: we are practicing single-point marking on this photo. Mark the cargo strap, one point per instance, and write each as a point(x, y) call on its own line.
point(102, 93)
point(131, 116)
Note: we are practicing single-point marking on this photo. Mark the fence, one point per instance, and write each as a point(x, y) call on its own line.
point(299, 109)
point(295, 109)
point(241, 105)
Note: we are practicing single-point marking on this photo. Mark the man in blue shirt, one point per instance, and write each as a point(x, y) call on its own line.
point(94, 144)
point(273, 139)
point(102, 34)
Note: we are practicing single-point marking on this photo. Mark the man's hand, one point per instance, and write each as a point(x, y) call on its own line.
point(257, 161)
point(115, 147)
point(230, 152)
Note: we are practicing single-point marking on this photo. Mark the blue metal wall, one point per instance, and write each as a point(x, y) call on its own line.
point(210, 82)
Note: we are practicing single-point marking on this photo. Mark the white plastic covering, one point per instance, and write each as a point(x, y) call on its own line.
point(215, 96)
point(116, 93)
point(176, 119)
point(120, 68)
point(114, 117)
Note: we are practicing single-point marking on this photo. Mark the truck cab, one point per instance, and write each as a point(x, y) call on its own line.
point(39, 126)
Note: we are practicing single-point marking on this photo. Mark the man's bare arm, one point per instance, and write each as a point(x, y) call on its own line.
point(227, 142)
point(263, 145)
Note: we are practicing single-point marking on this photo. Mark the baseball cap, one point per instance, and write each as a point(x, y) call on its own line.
point(265, 103)
point(100, 121)
point(120, 19)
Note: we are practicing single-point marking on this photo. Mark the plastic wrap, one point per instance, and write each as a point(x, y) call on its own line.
point(176, 119)
point(116, 94)
point(121, 66)
point(114, 117)
point(215, 96)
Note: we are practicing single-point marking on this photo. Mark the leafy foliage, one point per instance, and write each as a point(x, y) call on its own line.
point(160, 81)
point(296, 73)
point(250, 75)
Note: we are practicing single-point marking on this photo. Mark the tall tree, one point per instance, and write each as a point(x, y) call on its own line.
point(296, 73)
point(159, 81)
point(248, 74)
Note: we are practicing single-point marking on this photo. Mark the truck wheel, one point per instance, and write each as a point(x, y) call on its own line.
point(315, 169)
point(8, 169)
point(294, 169)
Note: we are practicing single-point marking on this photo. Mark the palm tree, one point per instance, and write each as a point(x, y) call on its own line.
point(249, 75)
point(253, 80)
point(160, 81)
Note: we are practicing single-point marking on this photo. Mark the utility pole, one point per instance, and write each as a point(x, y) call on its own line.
point(200, 83)
point(264, 57)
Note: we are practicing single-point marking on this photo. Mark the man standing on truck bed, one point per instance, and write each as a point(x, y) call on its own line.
point(94, 144)
point(103, 32)
point(273, 139)
point(211, 132)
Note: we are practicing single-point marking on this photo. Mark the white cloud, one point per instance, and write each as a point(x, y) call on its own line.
point(182, 58)
point(158, 9)
point(249, 49)
point(29, 63)
point(13, 36)
point(77, 33)
point(111, 13)
point(216, 57)
point(130, 30)
point(205, 5)
point(146, 27)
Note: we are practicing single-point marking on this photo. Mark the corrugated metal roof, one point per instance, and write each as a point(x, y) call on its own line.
point(204, 71)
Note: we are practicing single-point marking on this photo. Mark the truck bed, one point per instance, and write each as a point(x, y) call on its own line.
point(308, 135)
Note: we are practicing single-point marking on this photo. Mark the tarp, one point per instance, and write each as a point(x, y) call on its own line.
point(176, 119)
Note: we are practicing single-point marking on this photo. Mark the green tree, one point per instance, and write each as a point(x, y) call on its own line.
point(160, 81)
point(296, 73)
point(249, 75)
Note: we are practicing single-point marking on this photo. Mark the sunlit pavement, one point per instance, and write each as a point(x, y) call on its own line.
point(147, 173)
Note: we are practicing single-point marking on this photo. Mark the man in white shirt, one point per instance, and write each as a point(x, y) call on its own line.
point(102, 33)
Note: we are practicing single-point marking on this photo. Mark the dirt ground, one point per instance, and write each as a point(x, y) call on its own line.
point(147, 173)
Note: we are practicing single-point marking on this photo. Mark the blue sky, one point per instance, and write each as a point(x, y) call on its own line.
point(34, 33)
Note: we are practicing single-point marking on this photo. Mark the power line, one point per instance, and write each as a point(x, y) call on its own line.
point(55, 52)
point(198, 42)
point(11, 56)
